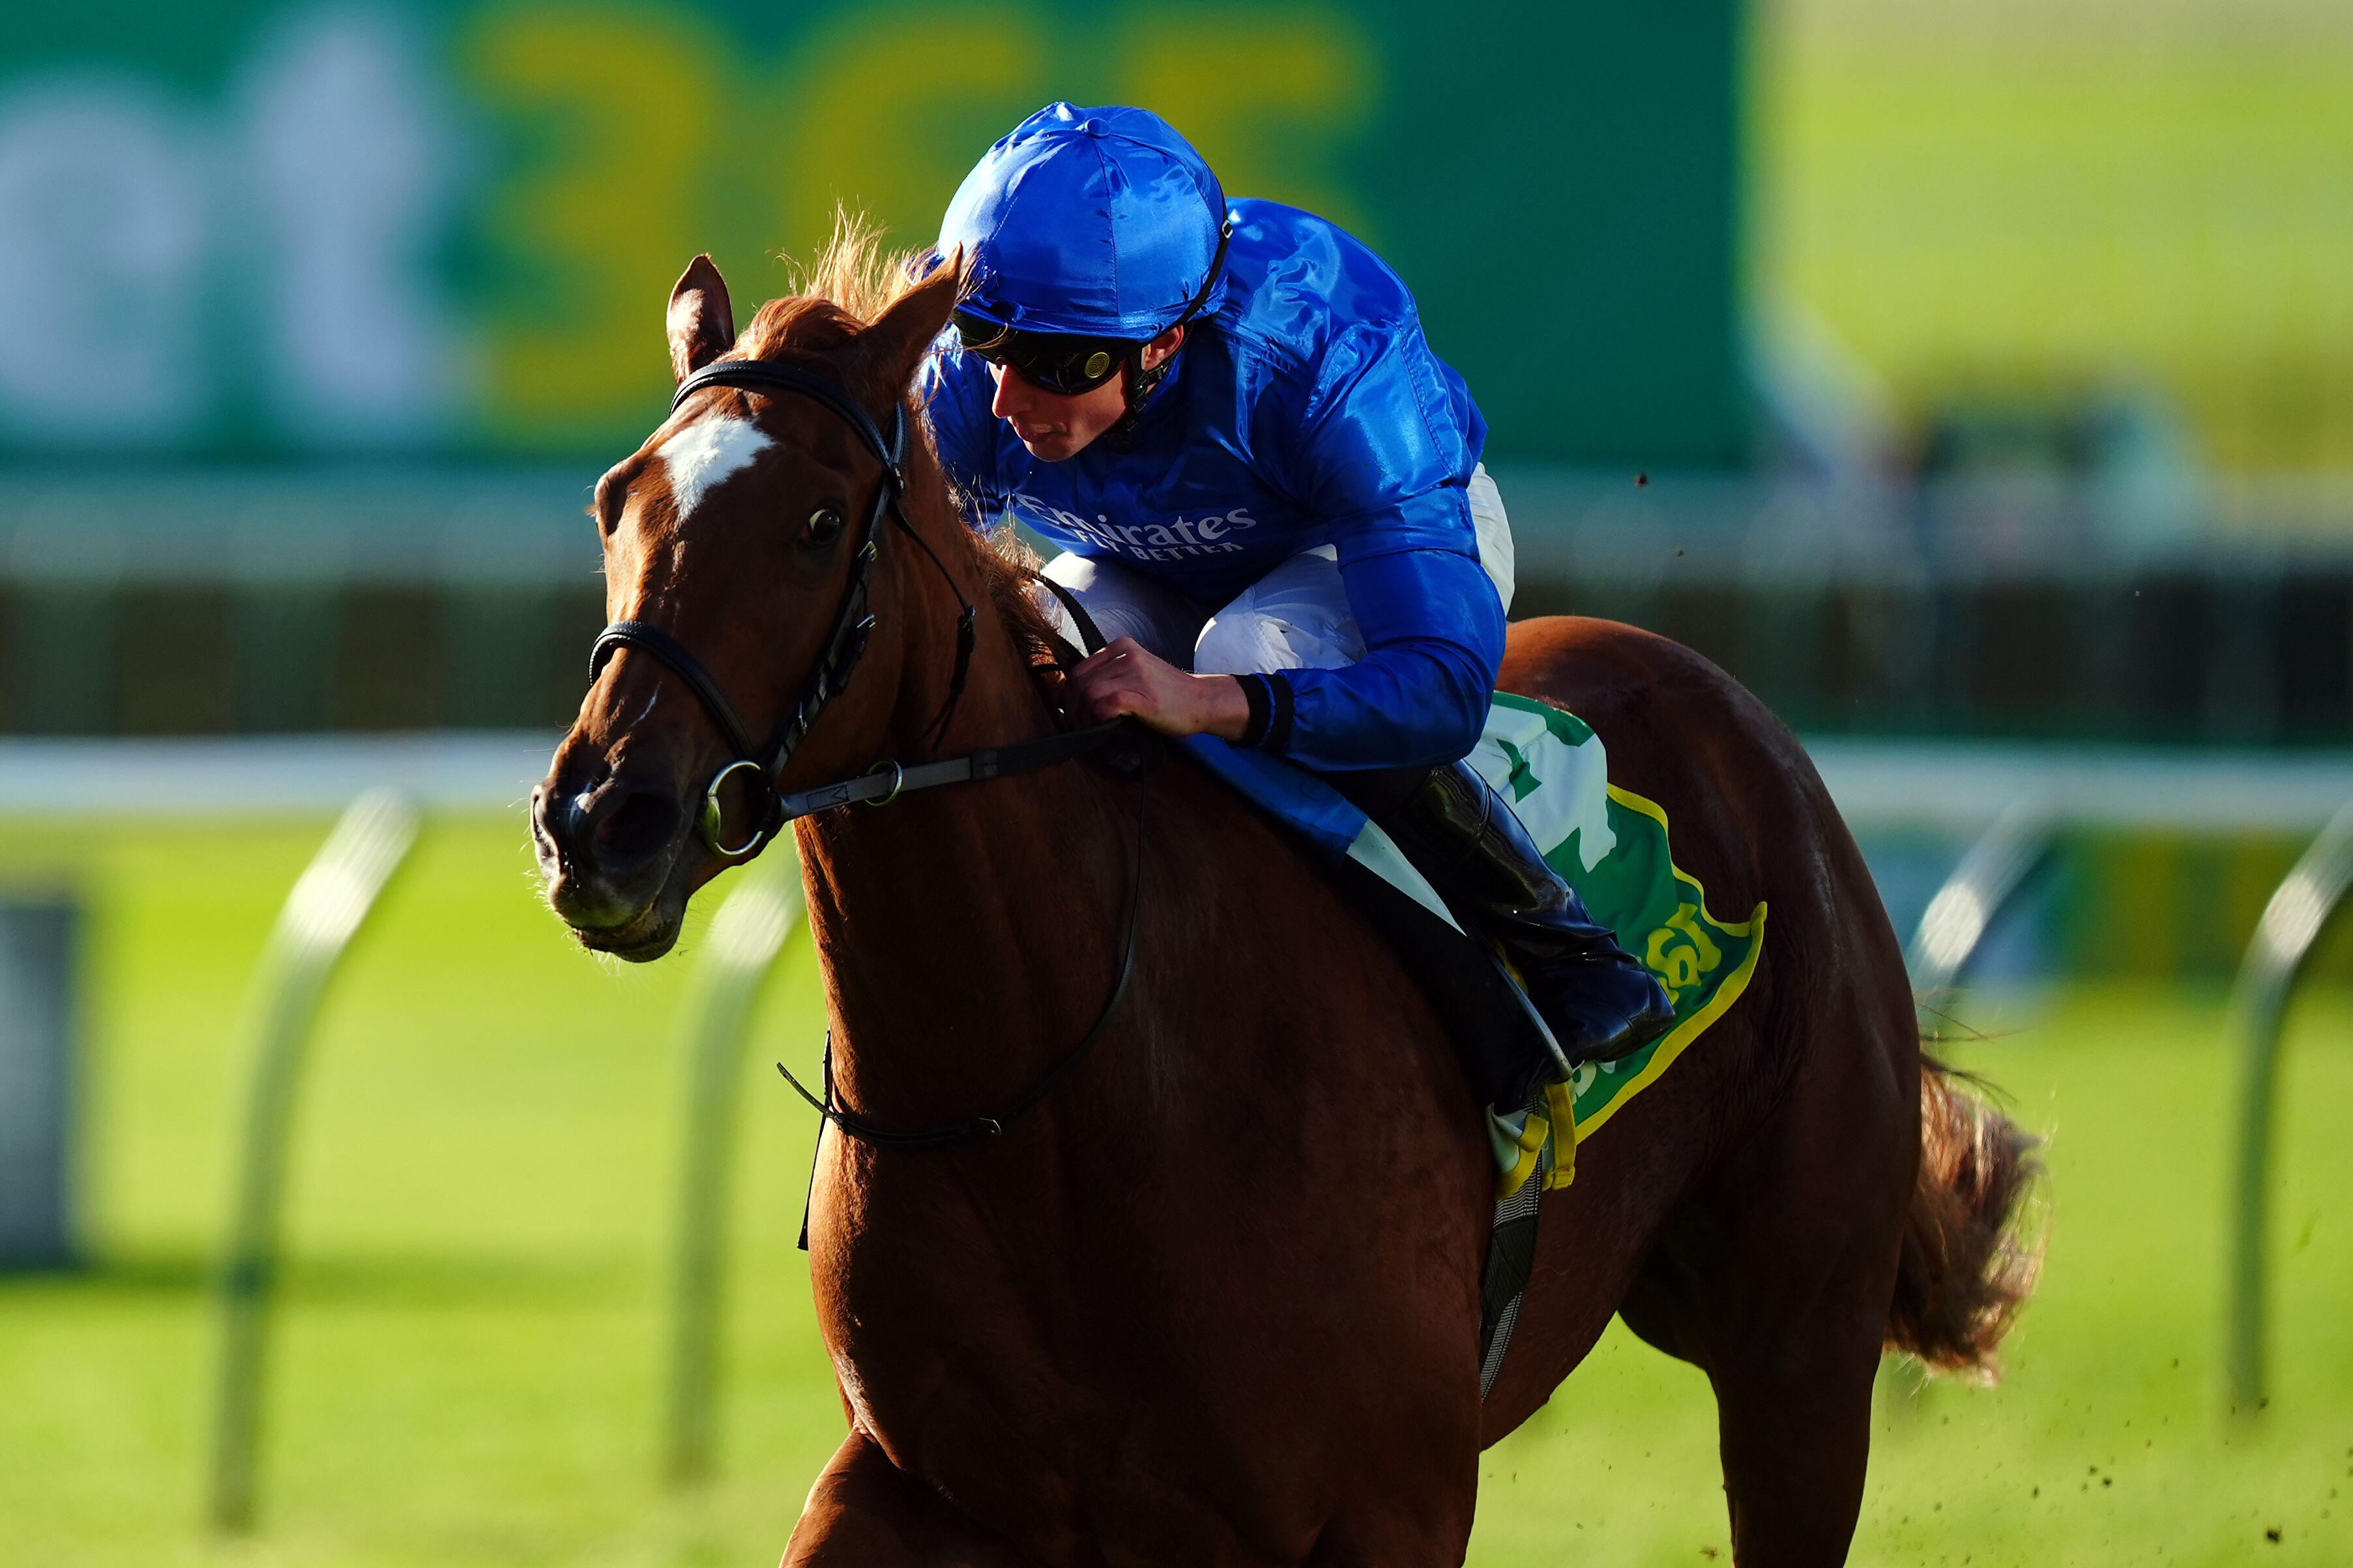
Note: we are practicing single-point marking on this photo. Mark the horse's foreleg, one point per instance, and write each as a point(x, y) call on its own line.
point(867, 1511)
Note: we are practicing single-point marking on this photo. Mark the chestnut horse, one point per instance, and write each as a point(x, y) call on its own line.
point(1216, 1299)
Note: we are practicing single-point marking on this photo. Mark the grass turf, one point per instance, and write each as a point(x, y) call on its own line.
point(471, 1349)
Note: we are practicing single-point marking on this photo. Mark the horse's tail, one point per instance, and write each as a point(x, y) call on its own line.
point(1967, 1266)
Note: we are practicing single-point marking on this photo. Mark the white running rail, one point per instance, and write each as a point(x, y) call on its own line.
point(1952, 785)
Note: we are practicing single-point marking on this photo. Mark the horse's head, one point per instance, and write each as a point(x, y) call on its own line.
point(734, 533)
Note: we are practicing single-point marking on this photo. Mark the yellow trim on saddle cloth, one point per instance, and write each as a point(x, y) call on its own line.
point(1691, 1028)
point(1560, 1098)
point(1680, 1037)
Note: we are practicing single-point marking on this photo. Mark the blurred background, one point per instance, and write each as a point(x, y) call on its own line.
point(1976, 383)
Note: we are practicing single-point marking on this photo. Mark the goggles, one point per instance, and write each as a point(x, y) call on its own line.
point(1060, 363)
point(1069, 364)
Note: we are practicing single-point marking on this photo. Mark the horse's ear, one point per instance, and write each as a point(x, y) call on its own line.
point(889, 351)
point(701, 322)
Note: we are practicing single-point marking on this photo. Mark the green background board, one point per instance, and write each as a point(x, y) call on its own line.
point(484, 205)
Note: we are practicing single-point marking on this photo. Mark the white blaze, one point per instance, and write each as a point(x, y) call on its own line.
point(704, 453)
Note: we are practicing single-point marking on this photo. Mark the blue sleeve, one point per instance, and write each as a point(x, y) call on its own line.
point(954, 402)
point(1433, 632)
point(1377, 442)
point(1381, 454)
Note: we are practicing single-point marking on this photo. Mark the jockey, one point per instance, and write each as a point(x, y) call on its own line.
point(1268, 496)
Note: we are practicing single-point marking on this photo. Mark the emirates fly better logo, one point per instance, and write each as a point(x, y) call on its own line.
point(1175, 540)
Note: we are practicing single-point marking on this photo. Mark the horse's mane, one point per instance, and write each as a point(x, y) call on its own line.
point(851, 281)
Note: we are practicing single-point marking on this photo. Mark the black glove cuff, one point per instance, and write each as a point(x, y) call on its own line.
point(1270, 699)
point(1262, 710)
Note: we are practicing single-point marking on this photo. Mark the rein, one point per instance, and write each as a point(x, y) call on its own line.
point(994, 1124)
point(852, 628)
point(1017, 757)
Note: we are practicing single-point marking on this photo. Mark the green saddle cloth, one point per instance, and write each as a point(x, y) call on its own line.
point(1612, 846)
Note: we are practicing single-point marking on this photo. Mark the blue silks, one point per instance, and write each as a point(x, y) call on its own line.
point(1308, 410)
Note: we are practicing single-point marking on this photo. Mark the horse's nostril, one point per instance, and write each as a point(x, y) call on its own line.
point(638, 828)
point(548, 837)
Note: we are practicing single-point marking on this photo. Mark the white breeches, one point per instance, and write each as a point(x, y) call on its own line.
point(1294, 617)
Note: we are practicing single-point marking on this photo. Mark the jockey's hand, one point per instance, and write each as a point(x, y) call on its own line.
point(1124, 680)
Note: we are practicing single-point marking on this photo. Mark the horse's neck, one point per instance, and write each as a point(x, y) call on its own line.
point(969, 934)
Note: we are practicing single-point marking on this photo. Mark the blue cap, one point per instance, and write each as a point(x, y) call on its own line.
point(1102, 222)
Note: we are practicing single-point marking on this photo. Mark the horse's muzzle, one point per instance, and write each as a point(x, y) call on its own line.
point(609, 853)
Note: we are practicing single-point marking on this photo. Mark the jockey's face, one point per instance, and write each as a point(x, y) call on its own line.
point(1058, 426)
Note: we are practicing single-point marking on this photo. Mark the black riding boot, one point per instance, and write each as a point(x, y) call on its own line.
point(1602, 1003)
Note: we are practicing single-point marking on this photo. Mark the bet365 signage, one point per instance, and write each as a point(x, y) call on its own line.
point(267, 230)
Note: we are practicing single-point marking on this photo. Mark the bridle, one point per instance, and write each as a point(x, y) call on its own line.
point(853, 626)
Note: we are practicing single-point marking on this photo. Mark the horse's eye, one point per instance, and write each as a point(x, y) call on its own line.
point(824, 525)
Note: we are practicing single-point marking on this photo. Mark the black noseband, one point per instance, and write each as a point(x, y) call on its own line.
point(651, 638)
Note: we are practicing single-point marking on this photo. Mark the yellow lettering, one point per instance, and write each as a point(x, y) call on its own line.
point(614, 109)
point(1685, 919)
point(1268, 106)
point(1660, 959)
point(886, 113)
point(1681, 964)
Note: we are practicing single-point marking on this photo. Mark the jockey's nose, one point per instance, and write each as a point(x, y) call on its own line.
point(1015, 396)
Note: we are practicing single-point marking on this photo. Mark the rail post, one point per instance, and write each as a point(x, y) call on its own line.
point(1990, 872)
point(41, 941)
point(2283, 938)
point(329, 904)
point(1952, 928)
point(747, 936)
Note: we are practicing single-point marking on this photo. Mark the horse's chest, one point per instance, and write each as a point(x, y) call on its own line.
point(1056, 1374)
